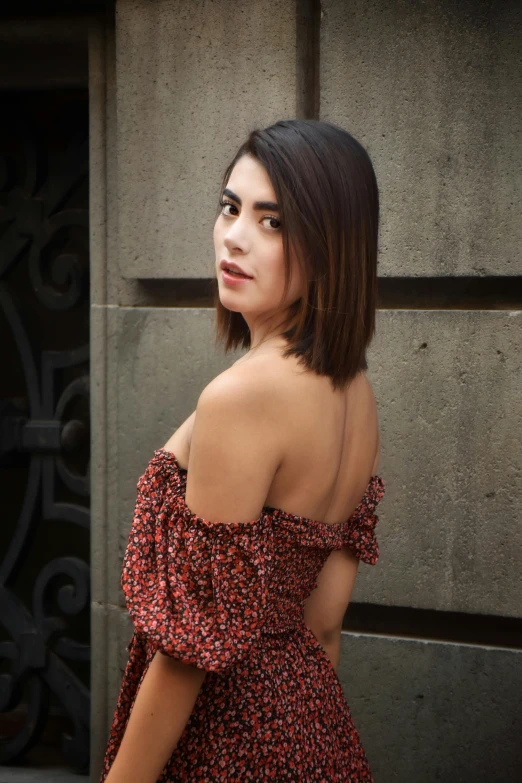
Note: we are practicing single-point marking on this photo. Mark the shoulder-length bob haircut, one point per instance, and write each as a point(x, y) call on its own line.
point(328, 198)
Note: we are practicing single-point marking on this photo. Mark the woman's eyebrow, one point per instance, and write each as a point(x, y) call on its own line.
point(270, 205)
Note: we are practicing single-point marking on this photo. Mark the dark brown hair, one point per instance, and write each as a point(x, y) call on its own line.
point(328, 198)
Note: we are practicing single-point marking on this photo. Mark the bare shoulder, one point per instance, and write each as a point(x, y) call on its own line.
point(254, 384)
point(235, 447)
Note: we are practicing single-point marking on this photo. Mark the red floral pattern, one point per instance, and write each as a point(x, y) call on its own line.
point(229, 598)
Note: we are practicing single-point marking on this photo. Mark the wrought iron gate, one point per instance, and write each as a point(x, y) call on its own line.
point(44, 421)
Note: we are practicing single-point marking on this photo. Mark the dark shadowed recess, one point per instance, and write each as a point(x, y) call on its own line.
point(450, 293)
point(395, 293)
point(20, 8)
point(430, 624)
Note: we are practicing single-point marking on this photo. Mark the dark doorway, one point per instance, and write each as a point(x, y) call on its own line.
point(44, 428)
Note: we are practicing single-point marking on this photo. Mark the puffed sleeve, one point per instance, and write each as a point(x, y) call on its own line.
point(359, 532)
point(195, 589)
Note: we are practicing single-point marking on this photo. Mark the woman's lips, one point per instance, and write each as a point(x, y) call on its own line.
point(234, 279)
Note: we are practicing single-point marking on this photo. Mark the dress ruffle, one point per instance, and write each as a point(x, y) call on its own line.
point(358, 533)
point(195, 589)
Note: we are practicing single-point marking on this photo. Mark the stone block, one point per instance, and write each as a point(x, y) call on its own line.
point(434, 92)
point(118, 637)
point(193, 79)
point(449, 389)
point(111, 632)
point(99, 720)
point(430, 712)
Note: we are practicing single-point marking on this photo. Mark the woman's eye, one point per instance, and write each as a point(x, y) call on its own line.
point(224, 204)
point(273, 220)
point(271, 226)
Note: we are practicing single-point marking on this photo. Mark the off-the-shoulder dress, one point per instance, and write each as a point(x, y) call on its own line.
point(229, 598)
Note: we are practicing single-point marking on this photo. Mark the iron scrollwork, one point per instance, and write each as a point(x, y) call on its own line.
point(44, 425)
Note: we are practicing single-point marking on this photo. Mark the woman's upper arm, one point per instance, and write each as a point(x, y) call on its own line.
point(326, 606)
point(235, 448)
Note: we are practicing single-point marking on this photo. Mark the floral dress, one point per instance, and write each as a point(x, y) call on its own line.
point(229, 598)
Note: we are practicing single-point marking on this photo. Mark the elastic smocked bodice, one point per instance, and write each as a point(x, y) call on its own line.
point(259, 573)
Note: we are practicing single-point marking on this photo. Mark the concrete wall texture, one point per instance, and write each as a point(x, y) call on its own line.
point(434, 91)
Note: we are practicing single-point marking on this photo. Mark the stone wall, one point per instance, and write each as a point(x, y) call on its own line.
point(434, 91)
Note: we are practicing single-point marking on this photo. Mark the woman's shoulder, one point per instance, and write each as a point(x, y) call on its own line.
point(254, 378)
point(273, 381)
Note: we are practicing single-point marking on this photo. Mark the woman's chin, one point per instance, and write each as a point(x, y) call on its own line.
point(231, 303)
point(232, 300)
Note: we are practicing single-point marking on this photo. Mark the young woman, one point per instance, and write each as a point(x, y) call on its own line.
point(250, 522)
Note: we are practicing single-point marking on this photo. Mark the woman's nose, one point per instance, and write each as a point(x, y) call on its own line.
point(236, 237)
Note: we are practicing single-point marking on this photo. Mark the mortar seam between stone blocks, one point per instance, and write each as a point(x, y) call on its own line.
point(426, 641)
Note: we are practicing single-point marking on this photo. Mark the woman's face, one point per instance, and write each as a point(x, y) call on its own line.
point(248, 231)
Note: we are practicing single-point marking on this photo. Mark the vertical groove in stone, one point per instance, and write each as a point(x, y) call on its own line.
point(97, 163)
point(308, 20)
point(97, 44)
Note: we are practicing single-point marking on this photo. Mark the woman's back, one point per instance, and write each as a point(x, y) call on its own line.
point(330, 439)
